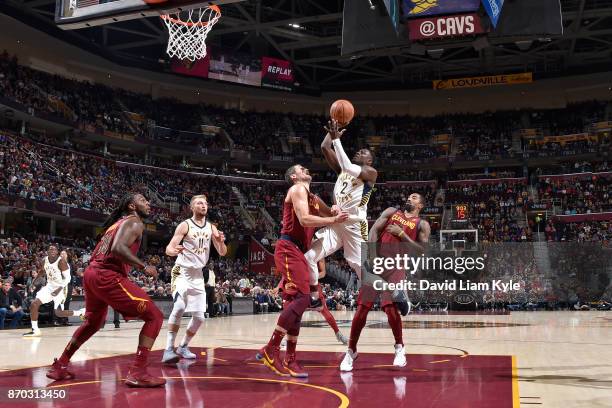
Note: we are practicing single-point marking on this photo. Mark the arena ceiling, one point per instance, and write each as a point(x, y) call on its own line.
point(309, 33)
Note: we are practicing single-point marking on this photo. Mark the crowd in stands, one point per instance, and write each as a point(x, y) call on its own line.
point(578, 196)
point(473, 135)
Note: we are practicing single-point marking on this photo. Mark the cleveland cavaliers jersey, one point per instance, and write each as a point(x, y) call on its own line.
point(197, 246)
point(351, 194)
point(54, 274)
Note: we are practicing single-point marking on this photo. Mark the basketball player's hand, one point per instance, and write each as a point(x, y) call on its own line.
point(394, 230)
point(151, 271)
point(220, 237)
point(179, 249)
point(335, 210)
point(333, 128)
point(64, 255)
point(341, 217)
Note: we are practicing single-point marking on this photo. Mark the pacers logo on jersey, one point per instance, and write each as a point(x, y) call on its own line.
point(200, 238)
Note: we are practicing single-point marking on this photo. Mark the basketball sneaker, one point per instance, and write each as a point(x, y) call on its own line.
point(400, 356)
point(271, 359)
point(315, 304)
point(184, 352)
point(59, 372)
point(170, 357)
point(138, 377)
point(347, 361)
point(33, 333)
point(341, 338)
point(293, 367)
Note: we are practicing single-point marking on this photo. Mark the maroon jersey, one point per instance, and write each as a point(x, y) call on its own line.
point(103, 258)
point(299, 235)
point(410, 226)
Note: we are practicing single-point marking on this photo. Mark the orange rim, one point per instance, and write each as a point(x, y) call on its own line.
point(213, 7)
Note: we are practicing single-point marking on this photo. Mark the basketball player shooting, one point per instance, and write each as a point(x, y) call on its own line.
point(57, 270)
point(302, 212)
point(351, 194)
point(394, 226)
point(191, 247)
point(106, 283)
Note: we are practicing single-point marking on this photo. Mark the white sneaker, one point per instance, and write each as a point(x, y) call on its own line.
point(400, 356)
point(341, 338)
point(185, 352)
point(170, 357)
point(33, 333)
point(347, 361)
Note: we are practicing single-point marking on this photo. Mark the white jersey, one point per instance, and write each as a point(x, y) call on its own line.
point(351, 194)
point(54, 274)
point(197, 246)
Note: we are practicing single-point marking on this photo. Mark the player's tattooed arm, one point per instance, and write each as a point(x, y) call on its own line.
point(129, 231)
point(218, 239)
point(299, 197)
point(423, 237)
point(380, 223)
point(174, 247)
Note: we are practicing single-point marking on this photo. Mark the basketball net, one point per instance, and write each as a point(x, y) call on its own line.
point(187, 31)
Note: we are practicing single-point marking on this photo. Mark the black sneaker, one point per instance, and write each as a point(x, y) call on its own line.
point(315, 304)
point(116, 325)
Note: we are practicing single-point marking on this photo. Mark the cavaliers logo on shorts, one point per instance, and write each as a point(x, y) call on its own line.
point(142, 306)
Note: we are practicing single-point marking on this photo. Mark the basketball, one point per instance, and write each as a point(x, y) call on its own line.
point(343, 111)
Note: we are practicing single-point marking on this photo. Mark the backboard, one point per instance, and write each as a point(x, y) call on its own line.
point(73, 14)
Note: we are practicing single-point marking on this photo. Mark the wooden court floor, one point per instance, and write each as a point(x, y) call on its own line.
point(524, 359)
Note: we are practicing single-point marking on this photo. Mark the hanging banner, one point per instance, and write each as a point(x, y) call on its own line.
point(493, 9)
point(475, 82)
point(444, 26)
point(420, 8)
point(277, 73)
point(261, 261)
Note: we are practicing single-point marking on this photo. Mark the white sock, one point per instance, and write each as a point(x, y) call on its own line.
point(79, 312)
point(186, 339)
point(35, 325)
point(170, 340)
point(194, 324)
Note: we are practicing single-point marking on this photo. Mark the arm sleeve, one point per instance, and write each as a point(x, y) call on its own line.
point(345, 163)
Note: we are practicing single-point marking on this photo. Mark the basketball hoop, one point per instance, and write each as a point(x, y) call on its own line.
point(188, 30)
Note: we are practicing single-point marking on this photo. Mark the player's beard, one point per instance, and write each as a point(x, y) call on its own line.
point(142, 214)
point(409, 207)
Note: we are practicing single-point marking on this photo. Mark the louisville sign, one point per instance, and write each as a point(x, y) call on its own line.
point(444, 26)
point(475, 82)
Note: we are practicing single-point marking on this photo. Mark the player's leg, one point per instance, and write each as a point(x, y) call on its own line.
point(131, 301)
point(95, 315)
point(365, 301)
point(326, 242)
point(290, 362)
point(196, 304)
point(354, 237)
point(292, 264)
point(329, 318)
point(174, 323)
point(43, 294)
point(395, 322)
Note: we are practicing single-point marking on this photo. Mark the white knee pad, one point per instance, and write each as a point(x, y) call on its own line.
point(177, 310)
point(313, 256)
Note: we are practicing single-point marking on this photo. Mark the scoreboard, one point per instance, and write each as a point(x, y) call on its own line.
point(460, 214)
